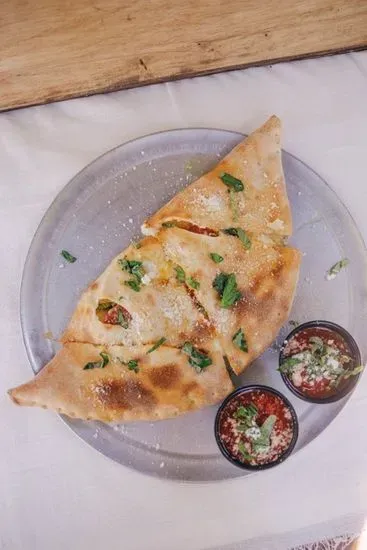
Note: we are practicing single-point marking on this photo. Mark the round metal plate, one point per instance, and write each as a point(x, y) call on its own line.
point(97, 215)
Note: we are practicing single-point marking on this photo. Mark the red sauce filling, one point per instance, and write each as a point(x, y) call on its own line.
point(319, 386)
point(111, 317)
point(234, 437)
point(188, 226)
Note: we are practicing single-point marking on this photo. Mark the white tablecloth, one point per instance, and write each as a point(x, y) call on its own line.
point(56, 492)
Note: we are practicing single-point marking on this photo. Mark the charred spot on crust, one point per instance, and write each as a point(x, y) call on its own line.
point(164, 377)
point(190, 387)
point(123, 395)
point(94, 286)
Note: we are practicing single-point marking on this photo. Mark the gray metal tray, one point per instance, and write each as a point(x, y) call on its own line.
point(98, 213)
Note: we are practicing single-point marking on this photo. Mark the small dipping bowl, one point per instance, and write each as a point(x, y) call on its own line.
point(240, 423)
point(332, 335)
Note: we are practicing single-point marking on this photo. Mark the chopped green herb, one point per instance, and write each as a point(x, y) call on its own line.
point(246, 413)
point(241, 234)
point(336, 268)
point(226, 286)
point(193, 283)
point(98, 364)
point(239, 340)
point(104, 305)
point(133, 365)
point(246, 455)
point(122, 318)
point(287, 365)
point(217, 258)
point(68, 257)
point(262, 443)
point(197, 359)
point(352, 372)
point(233, 183)
point(180, 274)
point(133, 284)
point(157, 344)
point(169, 224)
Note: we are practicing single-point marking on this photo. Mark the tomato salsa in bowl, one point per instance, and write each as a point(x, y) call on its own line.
point(256, 427)
point(320, 362)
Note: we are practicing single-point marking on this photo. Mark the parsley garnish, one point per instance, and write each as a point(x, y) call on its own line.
point(180, 274)
point(263, 442)
point(242, 449)
point(133, 284)
point(217, 258)
point(226, 286)
point(239, 340)
point(197, 359)
point(122, 318)
point(157, 344)
point(336, 268)
point(241, 234)
point(131, 365)
point(98, 364)
point(181, 277)
point(193, 283)
point(135, 268)
point(104, 305)
point(68, 257)
point(246, 413)
point(233, 183)
point(287, 365)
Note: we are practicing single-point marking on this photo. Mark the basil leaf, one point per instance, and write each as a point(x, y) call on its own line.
point(231, 294)
point(169, 224)
point(232, 182)
point(122, 319)
point(287, 365)
point(197, 359)
point(133, 365)
point(134, 267)
point(157, 344)
point(180, 274)
point(220, 282)
point(241, 234)
point(239, 340)
point(98, 364)
point(217, 258)
point(68, 257)
point(336, 268)
point(133, 284)
point(193, 283)
point(104, 305)
point(262, 443)
point(242, 449)
point(247, 412)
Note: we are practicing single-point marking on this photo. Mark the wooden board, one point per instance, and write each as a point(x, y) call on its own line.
point(57, 49)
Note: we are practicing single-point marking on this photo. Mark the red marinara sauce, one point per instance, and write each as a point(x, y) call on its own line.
point(242, 437)
point(315, 360)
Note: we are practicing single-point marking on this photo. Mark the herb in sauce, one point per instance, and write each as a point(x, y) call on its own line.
point(317, 361)
point(197, 358)
point(112, 314)
point(240, 341)
point(217, 258)
point(98, 364)
point(68, 257)
point(226, 286)
point(336, 268)
point(242, 449)
point(157, 344)
point(241, 234)
point(122, 318)
point(233, 183)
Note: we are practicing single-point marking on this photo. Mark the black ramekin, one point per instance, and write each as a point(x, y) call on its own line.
point(348, 338)
point(248, 389)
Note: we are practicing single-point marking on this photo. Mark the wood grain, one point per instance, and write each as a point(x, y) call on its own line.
point(57, 49)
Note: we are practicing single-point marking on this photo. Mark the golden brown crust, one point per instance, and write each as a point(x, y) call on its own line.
point(262, 207)
point(165, 386)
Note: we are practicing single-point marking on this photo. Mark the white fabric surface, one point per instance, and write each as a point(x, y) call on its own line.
point(58, 493)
